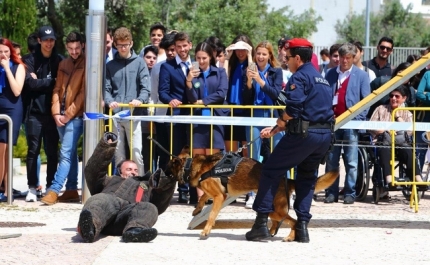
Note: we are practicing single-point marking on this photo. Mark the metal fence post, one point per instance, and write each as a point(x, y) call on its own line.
point(95, 60)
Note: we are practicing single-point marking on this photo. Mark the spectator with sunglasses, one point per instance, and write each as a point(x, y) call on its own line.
point(380, 64)
point(384, 113)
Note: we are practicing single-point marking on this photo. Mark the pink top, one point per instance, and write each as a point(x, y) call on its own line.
point(314, 61)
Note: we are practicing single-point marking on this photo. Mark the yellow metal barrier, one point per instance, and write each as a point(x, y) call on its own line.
point(191, 107)
point(413, 202)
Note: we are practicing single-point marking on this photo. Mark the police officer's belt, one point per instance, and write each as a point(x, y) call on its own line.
point(224, 168)
point(319, 125)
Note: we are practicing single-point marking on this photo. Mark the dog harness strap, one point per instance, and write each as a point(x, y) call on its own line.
point(139, 194)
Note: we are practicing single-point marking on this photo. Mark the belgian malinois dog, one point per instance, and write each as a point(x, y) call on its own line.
point(244, 179)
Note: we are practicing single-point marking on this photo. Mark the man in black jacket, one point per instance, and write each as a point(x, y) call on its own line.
point(42, 68)
point(125, 205)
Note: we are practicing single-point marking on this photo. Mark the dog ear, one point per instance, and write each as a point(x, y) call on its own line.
point(186, 149)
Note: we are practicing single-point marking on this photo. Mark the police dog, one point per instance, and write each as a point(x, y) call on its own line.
point(244, 179)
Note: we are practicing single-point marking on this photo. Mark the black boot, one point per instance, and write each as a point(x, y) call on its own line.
point(138, 234)
point(259, 230)
point(302, 234)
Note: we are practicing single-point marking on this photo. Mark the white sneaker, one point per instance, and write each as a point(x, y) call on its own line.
point(31, 195)
point(292, 198)
point(250, 202)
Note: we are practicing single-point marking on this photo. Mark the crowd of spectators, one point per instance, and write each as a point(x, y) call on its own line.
point(46, 93)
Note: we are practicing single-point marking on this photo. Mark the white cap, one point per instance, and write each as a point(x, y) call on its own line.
point(241, 45)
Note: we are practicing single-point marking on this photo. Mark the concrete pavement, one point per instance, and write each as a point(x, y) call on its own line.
point(362, 233)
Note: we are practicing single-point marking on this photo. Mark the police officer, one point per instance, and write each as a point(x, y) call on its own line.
point(308, 121)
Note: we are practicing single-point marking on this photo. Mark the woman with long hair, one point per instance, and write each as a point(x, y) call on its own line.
point(261, 88)
point(207, 85)
point(12, 74)
point(239, 55)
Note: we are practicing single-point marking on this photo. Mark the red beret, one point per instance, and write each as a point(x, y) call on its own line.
point(297, 42)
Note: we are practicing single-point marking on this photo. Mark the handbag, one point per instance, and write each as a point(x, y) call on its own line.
point(401, 138)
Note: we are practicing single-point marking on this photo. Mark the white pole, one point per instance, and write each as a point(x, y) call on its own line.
point(367, 23)
point(95, 50)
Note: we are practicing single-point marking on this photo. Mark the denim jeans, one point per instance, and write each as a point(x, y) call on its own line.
point(255, 148)
point(252, 132)
point(350, 159)
point(68, 162)
point(134, 138)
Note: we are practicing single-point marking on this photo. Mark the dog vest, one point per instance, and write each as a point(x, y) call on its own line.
point(224, 168)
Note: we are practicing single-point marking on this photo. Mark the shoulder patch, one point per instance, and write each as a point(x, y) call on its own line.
point(292, 86)
point(321, 80)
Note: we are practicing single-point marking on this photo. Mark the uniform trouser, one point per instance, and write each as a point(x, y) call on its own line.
point(113, 215)
point(163, 139)
point(40, 127)
point(293, 150)
point(180, 139)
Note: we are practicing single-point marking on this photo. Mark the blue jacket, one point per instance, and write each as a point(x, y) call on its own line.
point(271, 88)
point(216, 84)
point(172, 85)
point(309, 96)
point(423, 96)
point(358, 88)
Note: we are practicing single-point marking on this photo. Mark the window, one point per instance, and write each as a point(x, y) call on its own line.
point(426, 2)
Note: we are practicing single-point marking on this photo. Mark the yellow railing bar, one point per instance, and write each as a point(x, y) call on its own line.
point(413, 202)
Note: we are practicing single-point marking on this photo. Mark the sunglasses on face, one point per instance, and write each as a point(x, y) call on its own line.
point(395, 96)
point(382, 47)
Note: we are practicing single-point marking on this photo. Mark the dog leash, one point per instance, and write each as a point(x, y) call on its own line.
point(246, 145)
point(249, 143)
point(161, 147)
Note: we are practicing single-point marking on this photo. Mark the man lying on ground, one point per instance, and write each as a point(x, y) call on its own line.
point(127, 204)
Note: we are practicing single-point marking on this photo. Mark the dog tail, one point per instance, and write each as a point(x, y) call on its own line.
point(326, 180)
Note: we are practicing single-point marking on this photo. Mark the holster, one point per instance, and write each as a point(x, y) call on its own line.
point(298, 127)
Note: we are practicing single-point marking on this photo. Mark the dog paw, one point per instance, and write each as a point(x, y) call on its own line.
point(196, 212)
point(288, 239)
point(203, 236)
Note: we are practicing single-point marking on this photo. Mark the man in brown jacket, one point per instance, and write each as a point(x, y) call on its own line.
point(67, 109)
point(125, 204)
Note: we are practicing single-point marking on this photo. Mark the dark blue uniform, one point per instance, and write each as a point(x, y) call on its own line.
point(309, 97)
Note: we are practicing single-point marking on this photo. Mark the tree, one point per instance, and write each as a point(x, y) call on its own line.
point(395, 21)
point(228, 18)
point(16, 18)
point(200, 18)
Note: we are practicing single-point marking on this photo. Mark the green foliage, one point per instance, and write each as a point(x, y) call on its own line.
point(16, 18)
point(200, 18)
point(20, 150)
point(228, 18)
point(395, 21)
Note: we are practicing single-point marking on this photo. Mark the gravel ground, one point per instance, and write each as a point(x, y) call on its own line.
point(362, 233)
